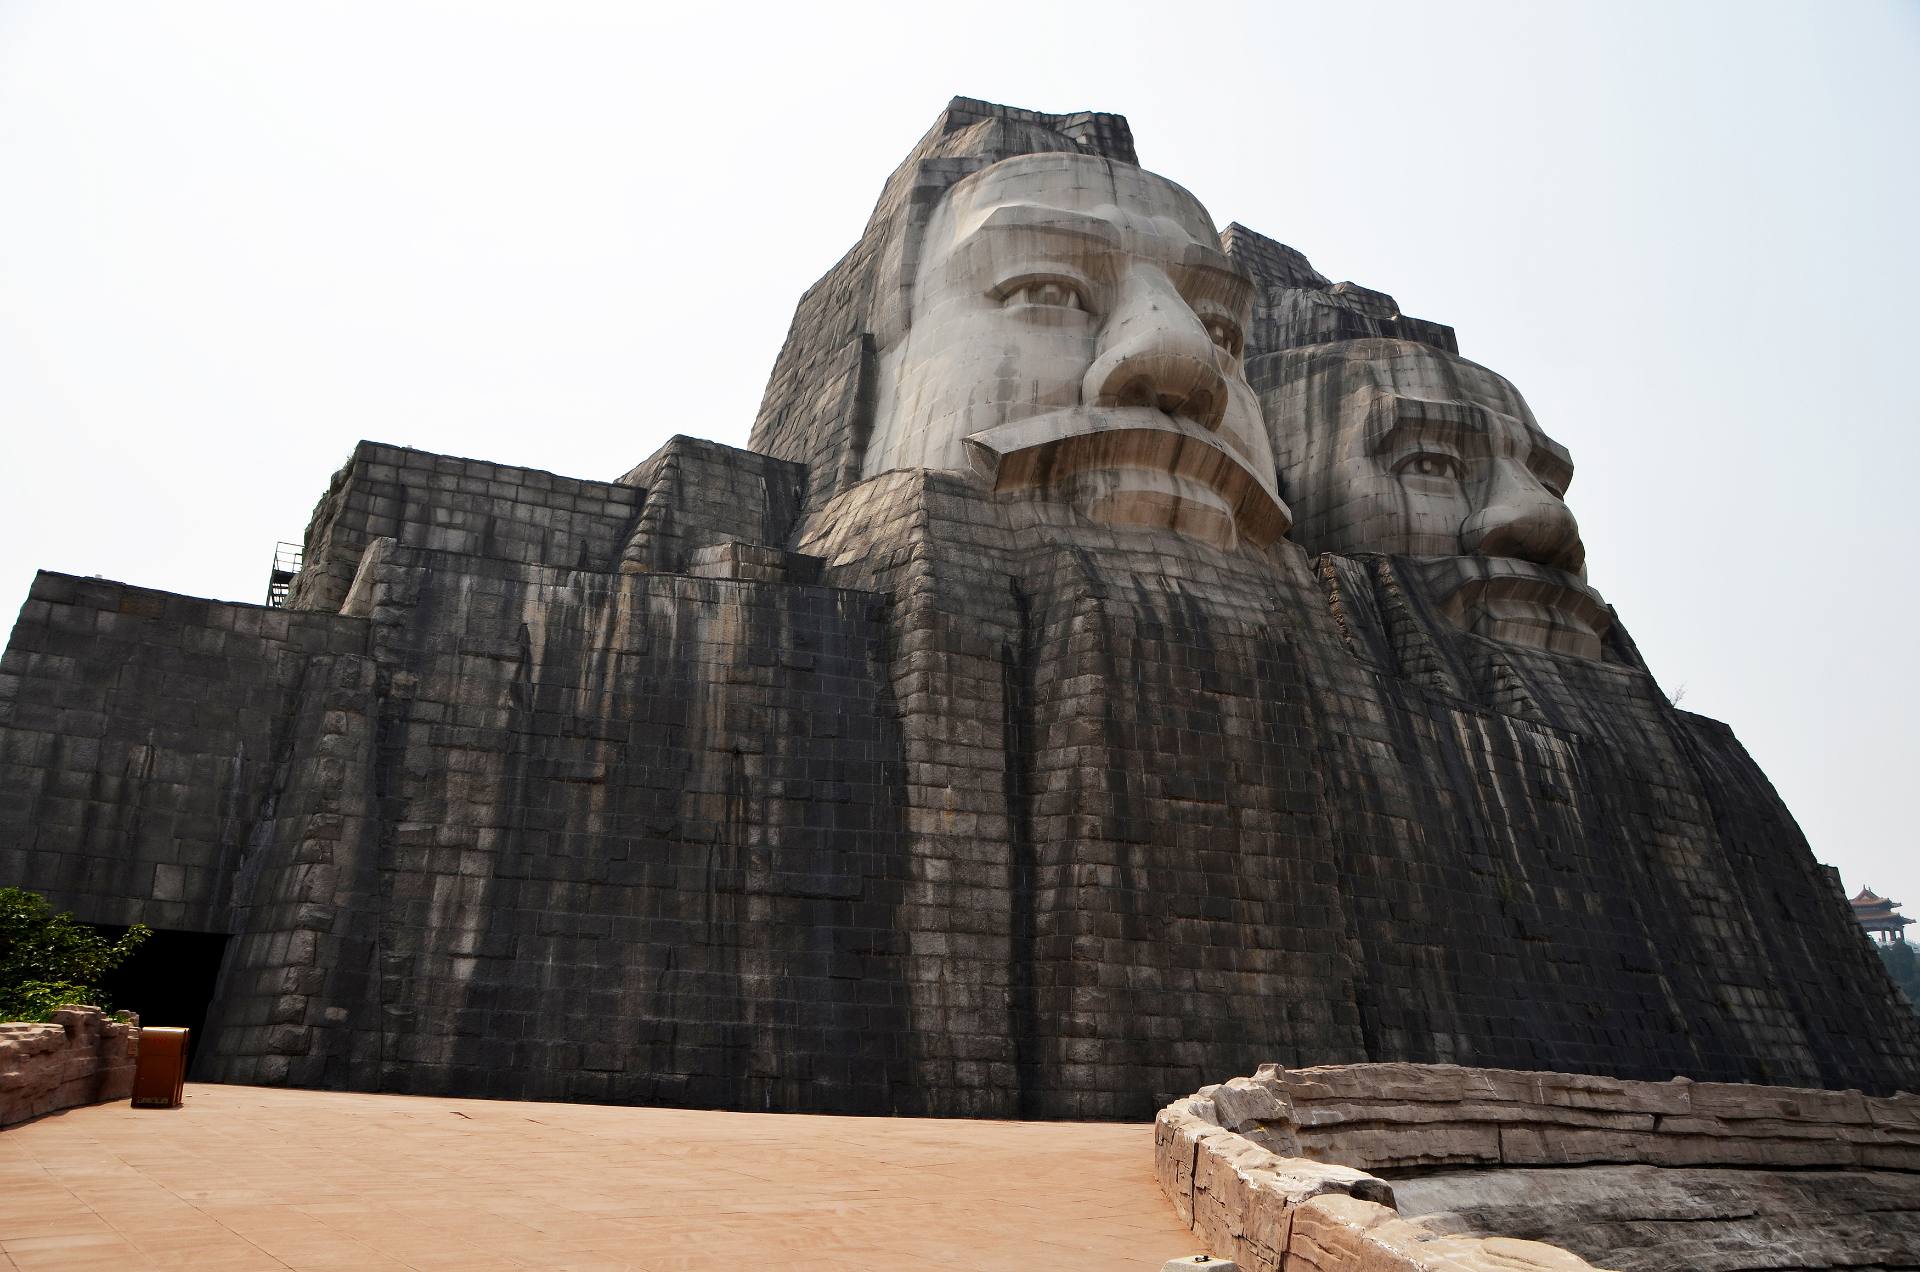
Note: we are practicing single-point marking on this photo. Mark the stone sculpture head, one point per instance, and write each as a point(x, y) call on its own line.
point(1400, 448)
point(1072, 330)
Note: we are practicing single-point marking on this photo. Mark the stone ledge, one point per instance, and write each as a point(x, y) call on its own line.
point(1392, 1116)
point(81, 1056)
point(1269, 1213)
point(1250, 1165)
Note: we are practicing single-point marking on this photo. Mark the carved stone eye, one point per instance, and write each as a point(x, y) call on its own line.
point(1431, 465)
point(1224, 334)
point(1045, 292)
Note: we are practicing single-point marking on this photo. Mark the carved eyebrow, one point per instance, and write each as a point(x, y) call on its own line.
point(1418, 420)
point(1204, 271)
point(1037, 218)
point(1467, 429)
point(1551, 462)
point(997, 241)
point(1214, 275)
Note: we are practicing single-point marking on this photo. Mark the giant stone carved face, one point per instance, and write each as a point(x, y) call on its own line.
point(1076, 333)
point(1394, 447)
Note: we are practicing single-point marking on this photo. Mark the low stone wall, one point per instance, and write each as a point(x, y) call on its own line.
point(1388, 1116)
point(1269, 1213)
point(1271, 1171)
point(81, 1056)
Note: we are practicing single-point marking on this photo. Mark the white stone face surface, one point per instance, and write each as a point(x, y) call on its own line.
point(1076, 332)
point(1400, 448)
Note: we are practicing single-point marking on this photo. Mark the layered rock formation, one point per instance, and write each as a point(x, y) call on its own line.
point(1406, 1116)
point(1419, 1166)
point(976, 742)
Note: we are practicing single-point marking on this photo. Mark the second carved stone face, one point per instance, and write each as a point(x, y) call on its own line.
point(1398, 448)
point(1076, 332)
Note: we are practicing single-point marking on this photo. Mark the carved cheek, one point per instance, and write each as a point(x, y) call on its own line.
point(1433, 519)
point(1244, 429)
point(1366, 506)
point(1025, 360)
point(1060, 370)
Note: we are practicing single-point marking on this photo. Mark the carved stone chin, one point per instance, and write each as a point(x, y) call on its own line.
point(1519, 602)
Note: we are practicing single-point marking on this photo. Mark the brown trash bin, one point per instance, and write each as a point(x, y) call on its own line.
point(160, 1075)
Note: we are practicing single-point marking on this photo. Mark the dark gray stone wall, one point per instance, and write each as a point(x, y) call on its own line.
point(1295, 305)
point(1008, 815)
point(298, 997)
point(1257, 805)
point(579, 835)
point(702, 495)
point(449, 504)
point(139, 732)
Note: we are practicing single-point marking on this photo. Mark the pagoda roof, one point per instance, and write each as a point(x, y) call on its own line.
point(1877, 913)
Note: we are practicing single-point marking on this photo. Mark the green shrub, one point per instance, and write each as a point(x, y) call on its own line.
point(50, 960)
point(1903, 966)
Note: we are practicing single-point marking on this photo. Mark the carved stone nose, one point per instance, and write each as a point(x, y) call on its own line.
point(1522, 519)
point(1154, 351)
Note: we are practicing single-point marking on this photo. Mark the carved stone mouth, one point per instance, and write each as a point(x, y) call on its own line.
point(1519, 602)
point(1135, 466)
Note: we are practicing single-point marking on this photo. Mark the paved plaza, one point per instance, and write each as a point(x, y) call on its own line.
point(249, 1177)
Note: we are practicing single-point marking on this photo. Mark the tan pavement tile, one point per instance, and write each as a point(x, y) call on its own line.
point(251, 1178)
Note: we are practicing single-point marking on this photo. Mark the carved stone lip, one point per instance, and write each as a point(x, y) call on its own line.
point(1520, 602)
point(1050, 451)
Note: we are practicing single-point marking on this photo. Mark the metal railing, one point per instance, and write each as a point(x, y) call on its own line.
point(286, 563)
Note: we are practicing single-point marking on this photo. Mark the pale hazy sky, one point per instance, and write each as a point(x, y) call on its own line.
point(236, 238)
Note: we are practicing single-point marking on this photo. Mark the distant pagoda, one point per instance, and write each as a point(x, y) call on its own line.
point(1879, 916)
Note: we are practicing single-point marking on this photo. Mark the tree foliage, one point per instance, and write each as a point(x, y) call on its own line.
point(50, 960)
point(1904, 966)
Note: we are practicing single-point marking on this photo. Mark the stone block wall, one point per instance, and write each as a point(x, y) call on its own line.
point(1295, 305)
point(626, 837)
point(1077, 940)
point(944, 804)
point(818, 407)
point(81, 1056)
point(1645, 877)
point(1179, 801)
point(298, 992)
point(449, 504)
point(701, 495)
point(138, 739)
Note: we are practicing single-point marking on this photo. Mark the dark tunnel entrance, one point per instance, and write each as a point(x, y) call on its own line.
point(169, 980)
